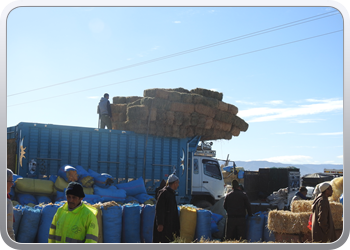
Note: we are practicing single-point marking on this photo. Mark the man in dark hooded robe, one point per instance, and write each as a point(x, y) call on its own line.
point(166, 222)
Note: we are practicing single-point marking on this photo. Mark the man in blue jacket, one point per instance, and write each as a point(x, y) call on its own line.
point(105, 112)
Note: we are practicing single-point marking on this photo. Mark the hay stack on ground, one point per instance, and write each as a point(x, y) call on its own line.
point(178, 113)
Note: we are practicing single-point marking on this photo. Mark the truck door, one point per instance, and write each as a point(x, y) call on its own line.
point(212, 180)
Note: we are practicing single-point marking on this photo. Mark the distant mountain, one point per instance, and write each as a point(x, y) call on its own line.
point(304, 168)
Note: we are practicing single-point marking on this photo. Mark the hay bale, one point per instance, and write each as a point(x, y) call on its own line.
point(157, 93)
point(182, 107)
point(204, 110)
point(206, 101)
point(218, 125)
point(198, 120)
point(119, 112)
point(178, 118)
point(235, 131)
point(174, 96)
point(119, 100)
point(224, 116)
point(208, 93)
point(130, 99)
point(222, 106)
point(118, 126)
point(240, 123)
point(287, 222)
point(137, 112)
point(301, 206)
point(170, 117)
point(232, 109)
point(337, 186)
point(186, 98)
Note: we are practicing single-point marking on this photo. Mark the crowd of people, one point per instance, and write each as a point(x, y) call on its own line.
point(76, 222)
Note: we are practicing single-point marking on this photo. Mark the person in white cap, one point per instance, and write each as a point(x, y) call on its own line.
point(322, 222)
point(167, 222)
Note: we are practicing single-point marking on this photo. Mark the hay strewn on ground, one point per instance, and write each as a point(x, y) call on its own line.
point(178, 113)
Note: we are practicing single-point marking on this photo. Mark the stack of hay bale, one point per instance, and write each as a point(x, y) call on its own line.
point(178, 113)
point(292, 226)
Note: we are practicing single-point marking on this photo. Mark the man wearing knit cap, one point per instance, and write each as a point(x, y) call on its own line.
point(166, 221)
point(74, 222)
point(322, 221)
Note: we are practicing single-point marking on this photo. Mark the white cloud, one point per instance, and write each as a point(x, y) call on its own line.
point(283, 133)
point(177, 22)
point(309, 120)
point(331, 133)
point(245, 102)
point(340, 156)
point(271, 114)
point(276, 102)
point(93, 97)
point(292, 159)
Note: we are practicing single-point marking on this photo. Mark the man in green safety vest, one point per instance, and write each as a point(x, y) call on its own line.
point(74, 222)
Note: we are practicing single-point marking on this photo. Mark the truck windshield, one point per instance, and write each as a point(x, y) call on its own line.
point(212, 169)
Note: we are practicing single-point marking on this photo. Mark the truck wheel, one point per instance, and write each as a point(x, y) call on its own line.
point(203, 204)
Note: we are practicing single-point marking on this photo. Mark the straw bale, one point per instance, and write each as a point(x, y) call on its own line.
point(170, 117)
point(208, 93)
point(174, 96)
point(182, 107)
point(186, 120)
point(153, 114)
point(240, 123)
point(119, 100)
point(218, 125)
point(287, 222)
point(198, 120)
point(300, 206)
point(109, 204)
point(207, 101)
point(204, 110)
point(178, 118)
point(136, 126)
point(232, 109)
point(235, 131)
point(157, 93)
point(186, 98)
point(224, 116)
point(118, 125)
point(337, 214)
point(138, 112)
point(118, 108)
point(130, 99)
point(222, 106)
point(337, 186)
point(156, 103)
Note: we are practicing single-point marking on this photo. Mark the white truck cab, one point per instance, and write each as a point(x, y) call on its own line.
point(207, 180)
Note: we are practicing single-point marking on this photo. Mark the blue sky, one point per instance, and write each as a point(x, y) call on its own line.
point(287, 83)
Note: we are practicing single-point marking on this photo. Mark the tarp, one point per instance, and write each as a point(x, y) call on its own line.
point(313, 179)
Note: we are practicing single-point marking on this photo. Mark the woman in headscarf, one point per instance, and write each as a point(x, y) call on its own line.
point(10, 217)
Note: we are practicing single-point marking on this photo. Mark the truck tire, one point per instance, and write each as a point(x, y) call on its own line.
point(203, 204)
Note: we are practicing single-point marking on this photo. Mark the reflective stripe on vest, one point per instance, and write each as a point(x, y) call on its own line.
point(55, 237)
point(91, 237)
point(70, 240)
point(53, 226)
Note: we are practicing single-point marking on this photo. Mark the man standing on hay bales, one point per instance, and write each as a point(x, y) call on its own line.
point(74, 222)
point(322, 221)
point(166, 222)
point(105, 112)
point(236, 204)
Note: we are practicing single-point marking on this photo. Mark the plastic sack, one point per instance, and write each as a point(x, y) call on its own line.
point(53, 178)
point(68, 173)
point(92, 198)
point(43, 199)
point(255, 227)
point(84, 177)
point(47, 214)
point(147, 222)
point(133, 188)
point(188, 221)
point(110, 194)
point(60, 196)
point(34, 186)
point(101, 180)
point(131, 223)
point(341, 199)
point(130, 199)
point(240, 174)
point(142, 198)
point(29, 225)
point(112, 224)
point(25, 199)
point(17, 213)
point(203, 225)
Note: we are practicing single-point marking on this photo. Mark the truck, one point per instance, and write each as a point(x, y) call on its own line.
point(36, 150)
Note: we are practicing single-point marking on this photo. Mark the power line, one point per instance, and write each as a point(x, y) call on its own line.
point(182, 68)
point(257, 33)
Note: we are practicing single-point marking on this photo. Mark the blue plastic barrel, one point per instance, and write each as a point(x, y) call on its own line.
point(268, 234)
point(255, 227)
